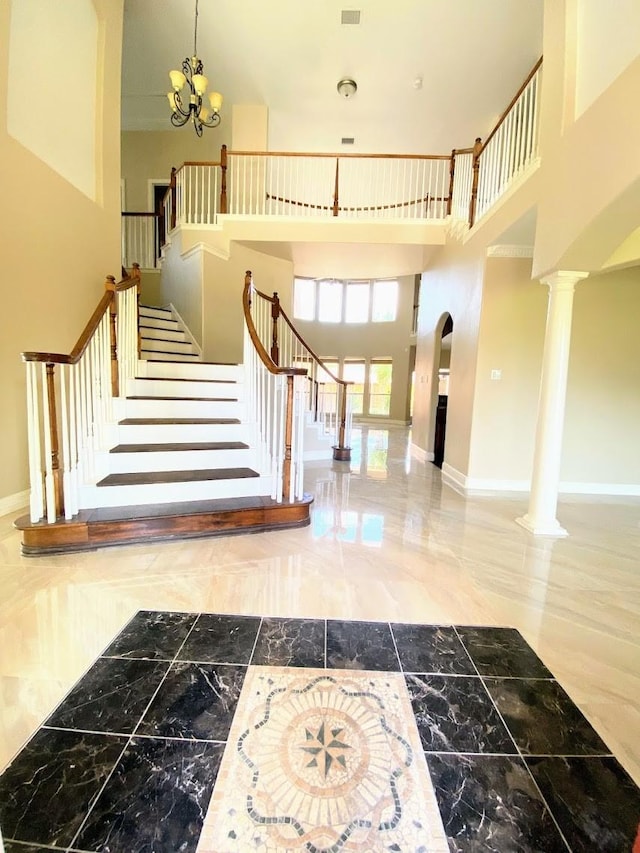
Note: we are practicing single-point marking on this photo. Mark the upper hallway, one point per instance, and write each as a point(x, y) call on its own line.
point(576, 209)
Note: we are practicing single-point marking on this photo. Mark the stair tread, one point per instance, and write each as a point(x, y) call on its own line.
point(168, 510)
point(184, 399)
point(169, 352)
point(186, 378)
point(211, 363)
point(180, 421)
point(170, 447)
point(158, 477)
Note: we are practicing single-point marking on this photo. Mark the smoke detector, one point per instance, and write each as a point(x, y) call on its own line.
point(347, 87)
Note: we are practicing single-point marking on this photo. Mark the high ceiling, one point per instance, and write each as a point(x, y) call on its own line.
point(431, 74)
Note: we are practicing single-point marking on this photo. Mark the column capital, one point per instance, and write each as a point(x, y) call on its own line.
point(563, 279)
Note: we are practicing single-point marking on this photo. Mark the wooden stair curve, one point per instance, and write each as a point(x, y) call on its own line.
point(182, 467)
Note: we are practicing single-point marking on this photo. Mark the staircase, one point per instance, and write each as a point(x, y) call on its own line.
point(179, 463)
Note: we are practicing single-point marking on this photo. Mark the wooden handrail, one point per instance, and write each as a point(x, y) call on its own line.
point(339, 155)
point(82, 343)
point(139, 213)
point(511, 104)
point(265, 358)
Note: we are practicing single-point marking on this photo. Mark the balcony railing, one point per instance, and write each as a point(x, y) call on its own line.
point(460, 187)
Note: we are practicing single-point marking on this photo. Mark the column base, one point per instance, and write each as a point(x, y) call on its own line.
point(542, 528)
point(341, 454)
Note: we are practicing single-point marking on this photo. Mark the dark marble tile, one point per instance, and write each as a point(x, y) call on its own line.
point(455, 714)
point(11, 847)
point(429, 648)
point(195, 701)
point(490, 803)
point(596, 804)
point(361, 645)
point(156, 799)
point(221, 639)
point(111, 697)
point(152, 634)
point(48, 789)
point(502, 652)
point(542, 718)
point(290, 642)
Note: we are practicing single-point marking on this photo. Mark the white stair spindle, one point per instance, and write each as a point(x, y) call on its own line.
point(49, 483)
point(36, 503)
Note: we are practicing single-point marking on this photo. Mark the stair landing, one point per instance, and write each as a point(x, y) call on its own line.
point(91, 529)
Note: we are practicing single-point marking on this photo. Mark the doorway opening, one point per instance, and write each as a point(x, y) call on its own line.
point(443, 362)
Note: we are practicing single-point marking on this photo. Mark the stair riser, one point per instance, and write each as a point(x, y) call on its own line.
point(162, 493)
point(155, 323)
point(195, 370)
point(179, 388)
point(183, 409)
point(153, 345)
point(160, 313)
point(163, 334)
point(179, 460)
point(168, 356)
point(168, 433)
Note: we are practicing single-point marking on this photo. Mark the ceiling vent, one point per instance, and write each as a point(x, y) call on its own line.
point(348, 140)
point(350, 16)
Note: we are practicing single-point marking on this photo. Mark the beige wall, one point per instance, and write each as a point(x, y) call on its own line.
point(222, 297)
point(589, 199)
point(601, 435)
point(57, 244)
point(149, 155)
point(512, 326)
point(453, 284)
point(181, 284)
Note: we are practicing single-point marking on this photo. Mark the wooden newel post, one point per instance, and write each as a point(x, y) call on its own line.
point(53, 435)
point(288, 434)
point(477, 149)
point(137, 275)
point(174, 201)
point(275, 314)
point(110, 285)
point(340, 452)
point(336, 188)
point(223, 179)
point(248, 281)
point(452, 170)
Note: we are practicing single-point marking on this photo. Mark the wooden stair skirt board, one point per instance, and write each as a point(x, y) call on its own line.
point(100, 528)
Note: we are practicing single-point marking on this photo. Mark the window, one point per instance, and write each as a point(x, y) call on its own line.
point(304, 298)
point(330, 301)
point(357, 302)
point(385, 301)
point(354, 371)
point(380, 387)
point(327, 386)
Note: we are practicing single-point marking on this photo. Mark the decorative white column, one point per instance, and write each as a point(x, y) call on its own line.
point(543, 501)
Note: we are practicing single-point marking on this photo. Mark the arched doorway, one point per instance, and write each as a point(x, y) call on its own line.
point(442, 362)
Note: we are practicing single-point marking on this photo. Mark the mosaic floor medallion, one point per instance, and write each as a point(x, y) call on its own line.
point(323, 761)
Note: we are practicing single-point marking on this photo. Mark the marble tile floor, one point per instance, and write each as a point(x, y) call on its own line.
point(388, 542)
point(218, 733)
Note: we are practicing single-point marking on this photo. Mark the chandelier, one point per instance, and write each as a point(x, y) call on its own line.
point(191, 105)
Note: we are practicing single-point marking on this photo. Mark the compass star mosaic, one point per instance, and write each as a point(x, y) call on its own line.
point(323, 761)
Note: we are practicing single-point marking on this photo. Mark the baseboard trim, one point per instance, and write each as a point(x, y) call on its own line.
point(420, 453)
point(184, 328)
point(12, 503)
point(477, 486)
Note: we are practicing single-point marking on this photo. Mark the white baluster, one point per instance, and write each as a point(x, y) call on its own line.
point(36, 503)
point(49, 484)
point(73, 438)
